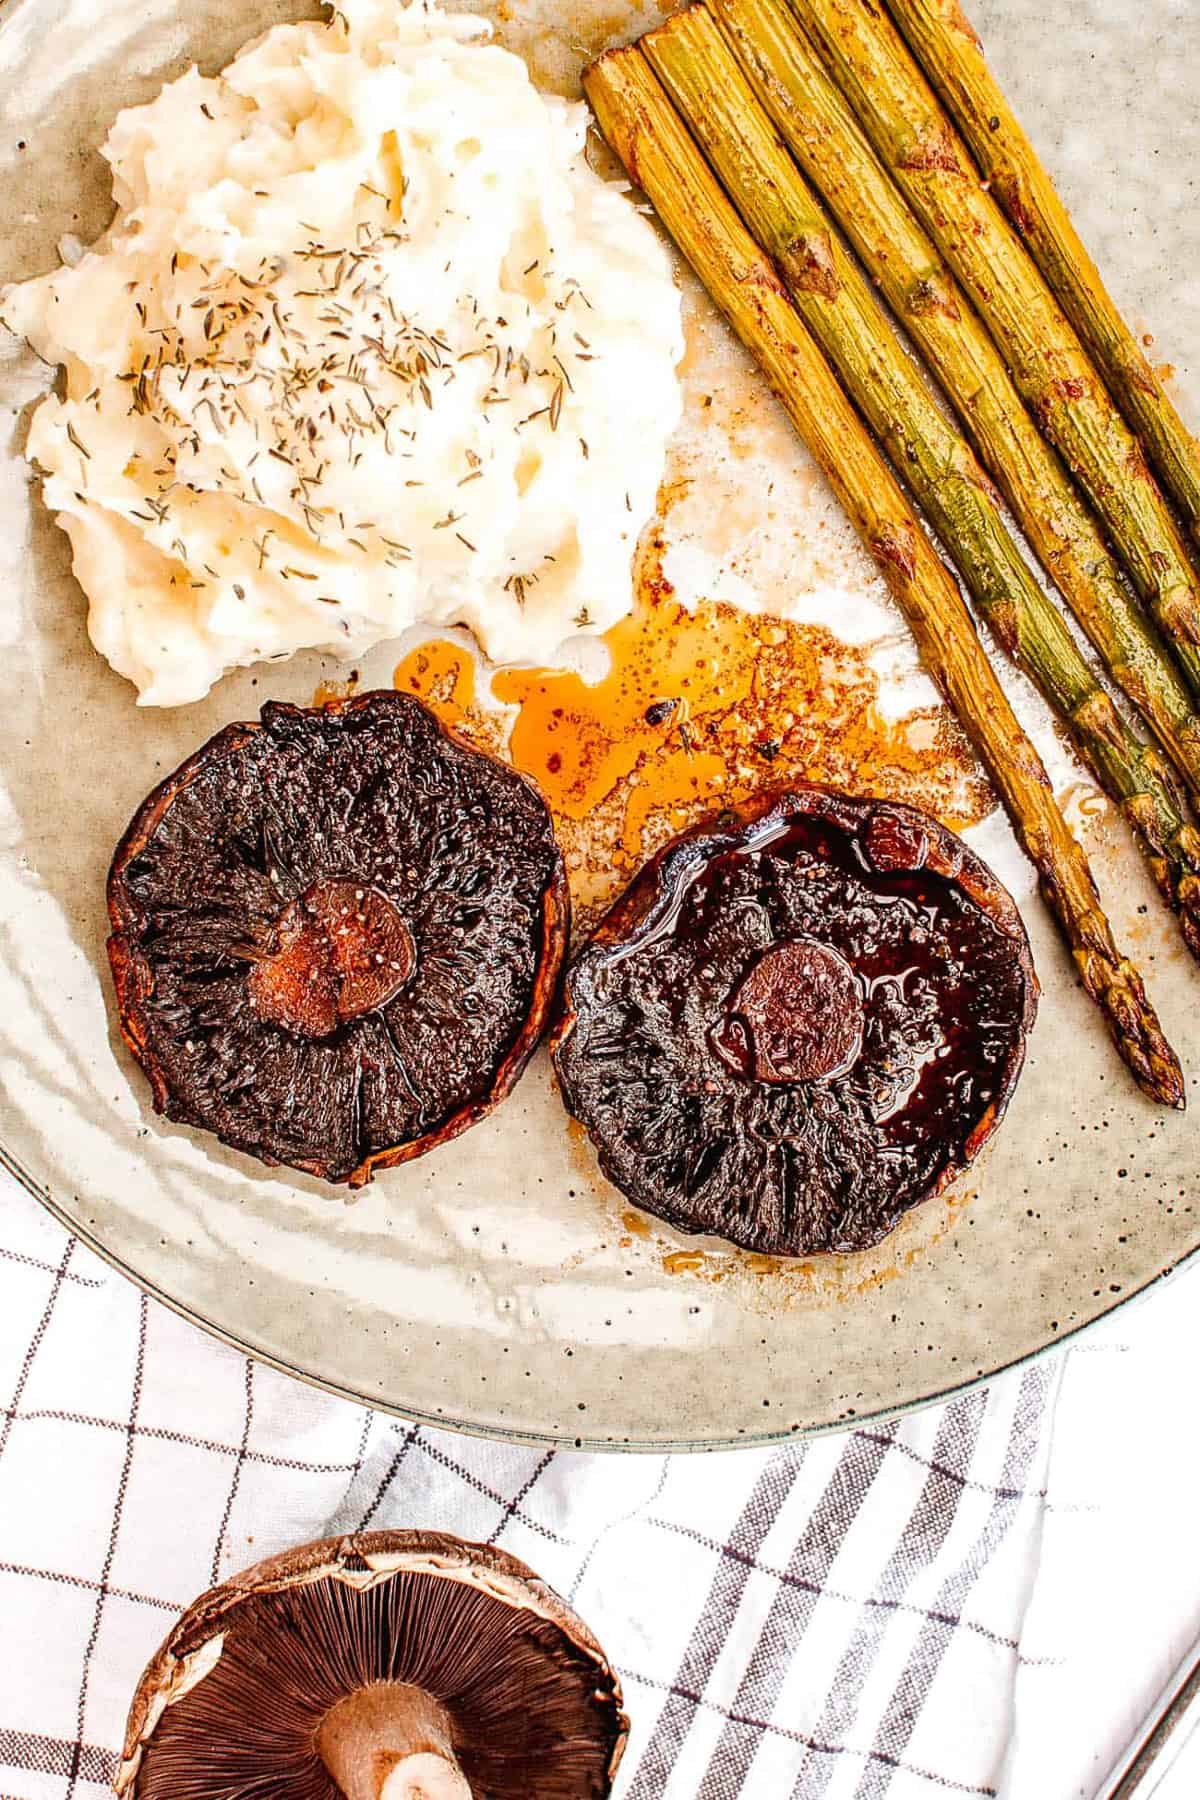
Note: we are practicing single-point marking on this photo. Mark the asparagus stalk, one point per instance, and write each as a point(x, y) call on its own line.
point(642, 127)
point(703, 78)
point(926, 157)
point(952, 56)
point(815, 120)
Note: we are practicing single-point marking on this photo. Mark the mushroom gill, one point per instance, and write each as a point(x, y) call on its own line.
point(392, 1666)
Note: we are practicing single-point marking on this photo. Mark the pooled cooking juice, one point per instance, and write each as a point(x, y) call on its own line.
point(698, 708)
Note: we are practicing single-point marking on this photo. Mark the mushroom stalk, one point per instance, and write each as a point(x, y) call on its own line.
point(391, 1741)
point(425, 1777)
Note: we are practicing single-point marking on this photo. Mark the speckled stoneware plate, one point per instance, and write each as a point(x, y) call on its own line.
point(499, 1284)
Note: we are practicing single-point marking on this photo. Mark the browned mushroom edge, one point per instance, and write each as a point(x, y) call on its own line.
point(364, 1561)
point(134, 981)
point(901, 838)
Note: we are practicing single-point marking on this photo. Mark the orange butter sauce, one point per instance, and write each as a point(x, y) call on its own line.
point(699, 708)
point(327, 693)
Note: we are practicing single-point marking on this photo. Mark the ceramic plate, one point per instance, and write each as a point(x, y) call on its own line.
point(499, 1285)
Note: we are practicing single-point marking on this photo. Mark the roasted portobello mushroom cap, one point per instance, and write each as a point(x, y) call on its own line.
point(336, 935)
point(802, 1018)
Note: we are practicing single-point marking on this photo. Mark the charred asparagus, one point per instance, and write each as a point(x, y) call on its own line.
point(900, 112)
point(714, 98)
point(647, 135)
point(943, 41)
point(815, 120)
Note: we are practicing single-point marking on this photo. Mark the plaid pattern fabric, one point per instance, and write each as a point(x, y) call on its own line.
point(832, 1620)
point(1116, 1609)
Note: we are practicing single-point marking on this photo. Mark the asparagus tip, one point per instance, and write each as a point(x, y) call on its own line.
point(1188, 901)
point(1140, 1039)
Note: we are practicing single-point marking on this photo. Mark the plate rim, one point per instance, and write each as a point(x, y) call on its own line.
point(940, 1390)
point(561, 1440)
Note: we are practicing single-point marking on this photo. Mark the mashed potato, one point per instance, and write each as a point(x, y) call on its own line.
point(366, 343)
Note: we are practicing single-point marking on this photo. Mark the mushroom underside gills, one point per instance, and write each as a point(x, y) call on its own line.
point(456, 1677)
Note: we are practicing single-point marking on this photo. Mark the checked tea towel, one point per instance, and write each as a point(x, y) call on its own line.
point(837, 1618)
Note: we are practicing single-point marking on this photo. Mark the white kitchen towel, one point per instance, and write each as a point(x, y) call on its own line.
point(1117, 1605)
point(832, 1619)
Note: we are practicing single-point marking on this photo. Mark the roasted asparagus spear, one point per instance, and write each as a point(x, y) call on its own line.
point(713, 96)
point(928, 160)
point(944, 43)
point(646, 133)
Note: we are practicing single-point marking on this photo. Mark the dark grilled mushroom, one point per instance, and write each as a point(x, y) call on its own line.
point(336, 935)
point(801, 1019)
point(392, 1665)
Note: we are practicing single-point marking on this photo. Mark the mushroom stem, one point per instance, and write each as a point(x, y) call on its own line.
point(425, 1777)
point(391, 1741)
